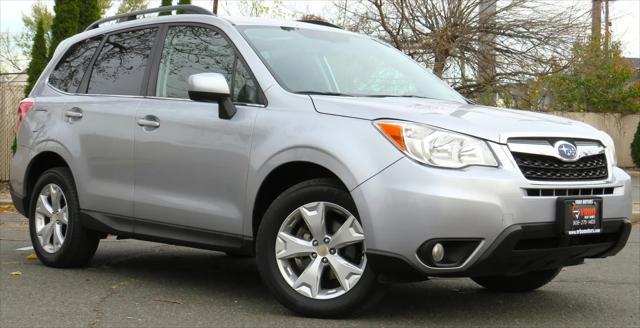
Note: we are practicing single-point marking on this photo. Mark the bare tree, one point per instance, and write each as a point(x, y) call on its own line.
point(12, 59)
point(476, 45)
point(39, 12)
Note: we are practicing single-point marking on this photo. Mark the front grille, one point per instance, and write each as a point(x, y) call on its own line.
point(547, 168)
point(543, 192)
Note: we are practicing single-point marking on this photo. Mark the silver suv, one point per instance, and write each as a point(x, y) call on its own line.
point(337, 161)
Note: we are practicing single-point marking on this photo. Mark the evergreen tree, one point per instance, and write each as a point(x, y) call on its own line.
point(65, 22)
point(89, 11)
point(38, 57)
point(635, 147)
point(183, 2)
point(163, 4)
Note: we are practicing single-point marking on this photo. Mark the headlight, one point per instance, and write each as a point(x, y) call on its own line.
point(436, 147)
point(610, 147)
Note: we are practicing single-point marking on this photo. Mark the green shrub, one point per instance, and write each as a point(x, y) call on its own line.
point(14, 146)
point(635, 147)
point(598, 80)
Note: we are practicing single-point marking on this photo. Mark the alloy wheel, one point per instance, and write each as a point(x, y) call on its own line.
point(51, 218)
point(320, 250)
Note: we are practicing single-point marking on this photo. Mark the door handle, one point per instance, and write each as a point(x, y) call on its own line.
point(73, 113)
point(149, 122)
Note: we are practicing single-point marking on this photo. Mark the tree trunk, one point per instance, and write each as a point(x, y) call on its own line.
point(439, 62)
point(596, 21)
point(487, 65)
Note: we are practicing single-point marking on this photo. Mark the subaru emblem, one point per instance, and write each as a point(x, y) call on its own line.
point(566, 150)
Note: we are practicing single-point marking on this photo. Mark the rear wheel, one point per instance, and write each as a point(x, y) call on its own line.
point(58, 238)
point(311, 251)
point(516, 284)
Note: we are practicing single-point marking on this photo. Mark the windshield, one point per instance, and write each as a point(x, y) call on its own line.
point(322, 62)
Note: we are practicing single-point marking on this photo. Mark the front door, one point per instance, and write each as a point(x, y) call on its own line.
point(190, 165)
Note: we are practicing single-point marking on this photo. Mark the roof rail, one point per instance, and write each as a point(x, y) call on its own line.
point(318, 22)
point(190, 9)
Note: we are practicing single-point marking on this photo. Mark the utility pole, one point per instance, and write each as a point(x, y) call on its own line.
point(596, 21)
point(487, 65)
point(607, 25)
point(215, 7)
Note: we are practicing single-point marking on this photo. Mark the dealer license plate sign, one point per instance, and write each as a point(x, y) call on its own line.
point(580, 216)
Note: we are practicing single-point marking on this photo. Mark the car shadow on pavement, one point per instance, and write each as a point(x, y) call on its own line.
point(212, 277)
point(185, 272)
point(451, 301)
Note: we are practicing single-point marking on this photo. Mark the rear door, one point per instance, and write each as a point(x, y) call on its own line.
point(191, 166)
point(101, 121)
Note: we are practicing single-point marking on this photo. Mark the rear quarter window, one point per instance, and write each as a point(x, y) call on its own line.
point(122, 62)
point(69, 71)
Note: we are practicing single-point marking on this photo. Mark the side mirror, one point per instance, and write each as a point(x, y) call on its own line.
point(212, 87)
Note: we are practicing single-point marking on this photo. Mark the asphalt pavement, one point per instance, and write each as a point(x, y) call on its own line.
point(133, 283)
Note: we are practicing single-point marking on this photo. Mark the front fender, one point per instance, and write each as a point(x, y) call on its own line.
point(352, 149)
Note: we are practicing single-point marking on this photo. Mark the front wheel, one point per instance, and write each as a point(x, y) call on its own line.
point(311, 251)
point(517, 284)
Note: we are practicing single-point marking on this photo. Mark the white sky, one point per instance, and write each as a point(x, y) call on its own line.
point(625, 15)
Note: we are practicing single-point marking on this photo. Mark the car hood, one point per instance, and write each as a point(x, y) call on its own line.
point(490, 123)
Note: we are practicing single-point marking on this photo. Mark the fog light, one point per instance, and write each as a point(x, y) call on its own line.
point(432, 252)
point(437, 252)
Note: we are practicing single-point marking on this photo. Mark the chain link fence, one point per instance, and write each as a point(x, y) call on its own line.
point(11, 92)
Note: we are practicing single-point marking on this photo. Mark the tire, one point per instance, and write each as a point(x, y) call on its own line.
point(518, 284)
point(283, 208)
point(78, 244)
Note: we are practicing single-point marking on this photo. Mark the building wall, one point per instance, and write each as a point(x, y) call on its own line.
point(620, 127)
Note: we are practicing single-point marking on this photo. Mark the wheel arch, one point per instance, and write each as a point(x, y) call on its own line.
point(41, 162)
point(281, 178)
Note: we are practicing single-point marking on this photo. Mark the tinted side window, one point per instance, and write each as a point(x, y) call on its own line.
point(121, 64)
point(69, 72)
point(191, 50)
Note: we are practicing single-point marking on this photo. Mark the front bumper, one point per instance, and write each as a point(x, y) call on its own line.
point(408, 204)
point(531, 247)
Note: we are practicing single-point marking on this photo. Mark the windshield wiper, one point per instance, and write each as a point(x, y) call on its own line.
point(324, 93)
